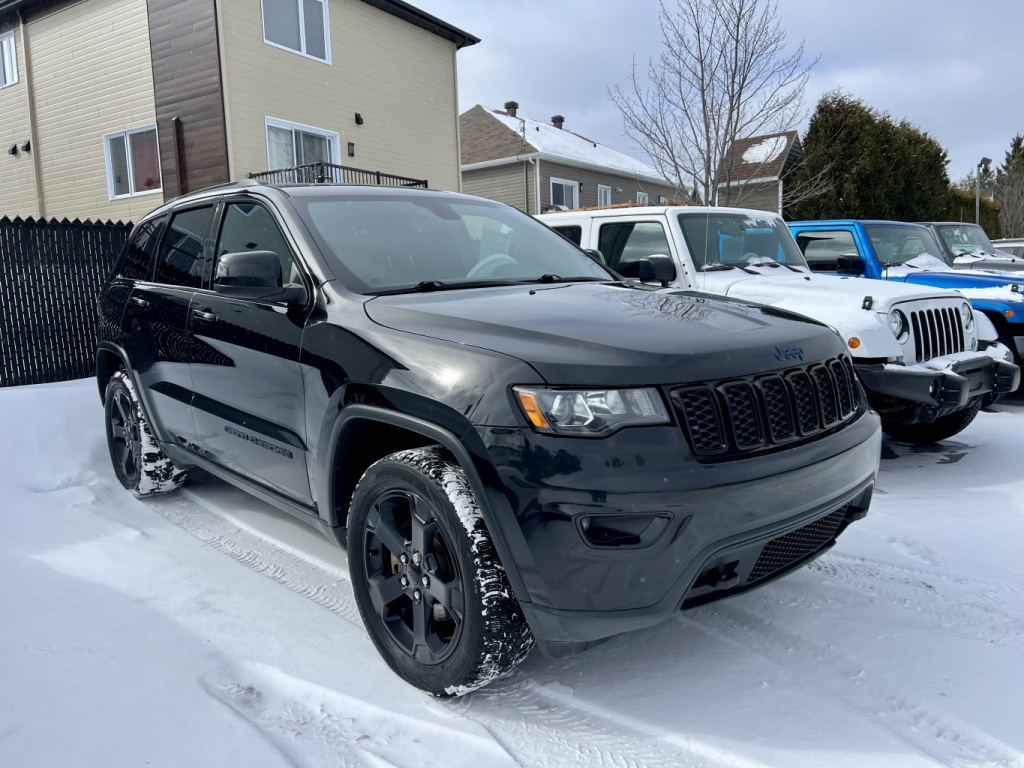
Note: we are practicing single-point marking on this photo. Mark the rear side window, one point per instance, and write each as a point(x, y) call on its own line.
point(181, 259)
point(572, 233)
point(624, 245)
point(137, 263)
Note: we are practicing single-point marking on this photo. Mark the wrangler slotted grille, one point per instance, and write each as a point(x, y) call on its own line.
point(786, 550)
point(741, 416)
point(937, 332)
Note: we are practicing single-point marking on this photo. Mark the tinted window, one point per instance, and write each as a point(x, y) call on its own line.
point(625, 244)
point(137, 263)
point(251, 227)
point(823, 249)
point(181, 257)
point(573, 234)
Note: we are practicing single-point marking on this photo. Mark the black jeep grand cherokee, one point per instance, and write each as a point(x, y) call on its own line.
point(513, 445)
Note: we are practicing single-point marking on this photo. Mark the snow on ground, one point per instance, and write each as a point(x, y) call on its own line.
point(204, 628)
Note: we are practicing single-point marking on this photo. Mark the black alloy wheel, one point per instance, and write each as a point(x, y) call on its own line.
point(125, 438)
point(434, 598)
point(414, 581)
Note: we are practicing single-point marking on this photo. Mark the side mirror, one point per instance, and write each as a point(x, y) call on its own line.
point(657, 269)
point(850, 264)
point(254, 275)
point(597, 256)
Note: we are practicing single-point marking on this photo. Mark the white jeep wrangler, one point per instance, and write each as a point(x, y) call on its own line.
point(926, 360)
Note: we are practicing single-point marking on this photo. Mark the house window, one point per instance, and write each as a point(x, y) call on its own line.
point(133, 162)
point(8, 60)
point(565, 194)
point(291, 144)
point(298, 25)
point(604, 195)
point(641, 198)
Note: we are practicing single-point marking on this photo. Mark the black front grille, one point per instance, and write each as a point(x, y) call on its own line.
point(741, 416)
point(937, 332)
point(785, 550)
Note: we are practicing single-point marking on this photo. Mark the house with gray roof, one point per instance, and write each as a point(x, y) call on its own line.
point(755, 172)
point(538, 166)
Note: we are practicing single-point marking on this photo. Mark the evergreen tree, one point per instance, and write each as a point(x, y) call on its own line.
point(1010, 189)
point(879, 169)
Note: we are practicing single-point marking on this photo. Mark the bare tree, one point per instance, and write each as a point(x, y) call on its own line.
point(723, 74)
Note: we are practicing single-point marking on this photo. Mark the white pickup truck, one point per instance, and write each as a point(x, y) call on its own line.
point(927, 361)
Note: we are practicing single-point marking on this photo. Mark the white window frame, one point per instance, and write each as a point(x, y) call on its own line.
point(575, 185)
point(603, 190)
point(302, 33)
point(642, 198)
point(8, 59)
point(128, 156)
point(333, 137)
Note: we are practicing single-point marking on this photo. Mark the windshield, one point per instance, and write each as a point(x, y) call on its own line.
point(387, 243)
point(899, 243)
point(965, 238)
point(739, 240)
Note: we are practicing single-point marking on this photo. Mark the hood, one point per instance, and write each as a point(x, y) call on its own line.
point(821, 296)
point(593, 334)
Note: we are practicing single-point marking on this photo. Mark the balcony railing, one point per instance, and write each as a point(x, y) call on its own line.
point(329, 173)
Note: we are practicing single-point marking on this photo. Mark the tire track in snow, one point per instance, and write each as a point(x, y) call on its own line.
point(967, 607)
point(528, 720)
point(920, 725)
point(288, 568)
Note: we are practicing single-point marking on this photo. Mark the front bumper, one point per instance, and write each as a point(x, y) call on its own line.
point(943, 385)
point(618, 534)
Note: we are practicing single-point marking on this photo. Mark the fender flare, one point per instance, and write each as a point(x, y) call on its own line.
point(494, 507)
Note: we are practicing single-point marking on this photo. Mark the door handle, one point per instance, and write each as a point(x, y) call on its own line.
point(139, 301)
point(204, 314)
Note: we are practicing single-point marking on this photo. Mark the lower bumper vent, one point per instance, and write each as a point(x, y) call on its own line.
point(785, 550)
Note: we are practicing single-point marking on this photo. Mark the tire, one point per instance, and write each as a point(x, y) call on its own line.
point(138, 462)
point(942, 428)
point(453, 624)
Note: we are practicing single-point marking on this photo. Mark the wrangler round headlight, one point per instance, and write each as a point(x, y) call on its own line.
point(899, 326)
point(966, 315)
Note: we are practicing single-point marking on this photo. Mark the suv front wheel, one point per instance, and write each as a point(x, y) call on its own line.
point(139, 464)
point(431, 591)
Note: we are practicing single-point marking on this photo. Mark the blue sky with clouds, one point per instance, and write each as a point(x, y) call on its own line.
point(954, 69)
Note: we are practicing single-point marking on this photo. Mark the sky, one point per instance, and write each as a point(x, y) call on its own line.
point(951, 68)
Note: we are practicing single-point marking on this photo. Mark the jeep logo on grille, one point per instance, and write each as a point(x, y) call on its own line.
point(789, 353)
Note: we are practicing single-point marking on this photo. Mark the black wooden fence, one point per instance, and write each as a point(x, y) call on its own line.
point(50, 273)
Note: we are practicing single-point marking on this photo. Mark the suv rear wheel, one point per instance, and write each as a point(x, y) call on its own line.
point(432, 594)
point(139, 464)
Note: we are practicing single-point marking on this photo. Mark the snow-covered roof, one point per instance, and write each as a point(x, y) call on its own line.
point(574, 148)
point(765, 151)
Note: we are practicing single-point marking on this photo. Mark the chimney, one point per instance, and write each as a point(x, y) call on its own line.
point(511, 107)
point(557, 121)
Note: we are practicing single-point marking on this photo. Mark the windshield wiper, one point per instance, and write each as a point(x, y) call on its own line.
point(430, 285)
point(716, 267)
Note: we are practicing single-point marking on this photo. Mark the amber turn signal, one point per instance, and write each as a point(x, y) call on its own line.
point(532, 408)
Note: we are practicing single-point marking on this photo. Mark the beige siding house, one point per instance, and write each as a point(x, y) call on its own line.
point(114, 106)
point(538, 166)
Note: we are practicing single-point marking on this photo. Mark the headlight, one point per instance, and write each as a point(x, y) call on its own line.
point(591, 412)
point(966, 315)
point(898, 325)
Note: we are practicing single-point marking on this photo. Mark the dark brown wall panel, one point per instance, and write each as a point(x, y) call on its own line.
point(187, 85)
